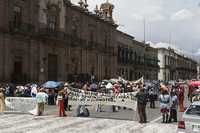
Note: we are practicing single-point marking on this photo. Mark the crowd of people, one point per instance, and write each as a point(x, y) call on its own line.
point(169, 97)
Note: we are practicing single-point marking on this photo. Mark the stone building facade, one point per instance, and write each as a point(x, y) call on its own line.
point(174, 66)
point(198, 72)
point(55, 40)
point(151, 63)
point(136, 59)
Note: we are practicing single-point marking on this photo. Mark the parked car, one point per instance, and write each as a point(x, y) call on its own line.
point(191, 119)
point(196, 95)
point(193, 85)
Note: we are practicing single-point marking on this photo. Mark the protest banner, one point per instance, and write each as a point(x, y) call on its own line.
point(80, 97)
point(21, 104)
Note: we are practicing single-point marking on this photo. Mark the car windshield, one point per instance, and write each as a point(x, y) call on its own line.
point(194, 110)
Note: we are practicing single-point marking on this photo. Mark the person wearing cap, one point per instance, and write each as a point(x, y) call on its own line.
point(2, 101)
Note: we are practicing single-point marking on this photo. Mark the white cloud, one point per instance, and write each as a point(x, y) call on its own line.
point(137, 17)
point(183, 14)
point(148, 17)
point(156, 17)
point(198, 52)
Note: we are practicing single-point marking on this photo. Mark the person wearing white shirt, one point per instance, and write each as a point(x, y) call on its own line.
point(41, 99)
point(164, 99)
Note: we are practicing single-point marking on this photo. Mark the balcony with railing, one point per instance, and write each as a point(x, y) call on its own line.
point(23, 28)
point(152, 62)
point(72, 40)
point(53, 34)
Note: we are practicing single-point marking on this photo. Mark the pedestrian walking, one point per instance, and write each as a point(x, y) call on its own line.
point(2, 101)
point(164, 99)
point(41, 99)
point(141, 104)
point(60, 101)
point(173, 108)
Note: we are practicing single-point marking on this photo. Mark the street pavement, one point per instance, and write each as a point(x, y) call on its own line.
point(122, 121)
point(122, 114)
point(24, 123)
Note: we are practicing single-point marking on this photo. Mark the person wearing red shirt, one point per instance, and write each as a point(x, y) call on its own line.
point(181, 98)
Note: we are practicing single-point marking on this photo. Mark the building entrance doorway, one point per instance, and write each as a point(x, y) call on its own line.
point(52, 67)
point(17, 75)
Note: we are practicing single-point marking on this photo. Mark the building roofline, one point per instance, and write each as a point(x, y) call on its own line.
point(125, 34)
point(91, 14)
point(179, 55)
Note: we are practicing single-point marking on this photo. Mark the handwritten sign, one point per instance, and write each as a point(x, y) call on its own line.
point(21, 104)
point(80, 97)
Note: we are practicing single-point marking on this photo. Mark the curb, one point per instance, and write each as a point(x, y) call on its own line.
point(14, 112)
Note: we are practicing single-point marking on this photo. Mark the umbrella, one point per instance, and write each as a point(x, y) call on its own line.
point(52, 84)
point(109, 86)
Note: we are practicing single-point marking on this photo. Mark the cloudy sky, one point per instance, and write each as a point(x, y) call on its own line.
point(167, 21)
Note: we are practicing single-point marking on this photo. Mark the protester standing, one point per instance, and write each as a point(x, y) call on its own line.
point(181, 98)
point(41, 99)
point(164, 99)
point(66, 98)
point(86, 87)
point(93, 87)
point(99, 95)
point(152, 98)
point(33, 91)
point(2, 101)
point(60, 101)
point(173, 108)
point(141, 104)
point(51, 97)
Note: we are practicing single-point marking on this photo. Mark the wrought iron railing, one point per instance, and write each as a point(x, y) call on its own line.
point(21, 28)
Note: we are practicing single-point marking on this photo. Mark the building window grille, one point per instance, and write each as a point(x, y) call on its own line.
point(52, 18)
point(17, 16)
point(52, 22)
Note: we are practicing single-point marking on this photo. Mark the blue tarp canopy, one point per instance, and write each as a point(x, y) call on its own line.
point(52, 84)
